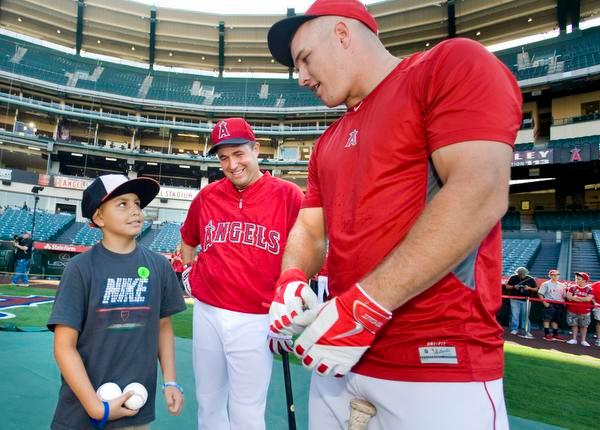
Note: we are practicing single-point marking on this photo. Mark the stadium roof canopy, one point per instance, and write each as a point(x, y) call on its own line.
point(237, 43)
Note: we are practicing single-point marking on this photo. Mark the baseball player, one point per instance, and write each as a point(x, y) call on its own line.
point(242, 223)
point(408, 187)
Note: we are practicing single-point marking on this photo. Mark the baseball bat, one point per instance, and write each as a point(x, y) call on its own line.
point(361, 411)
point(289, 398)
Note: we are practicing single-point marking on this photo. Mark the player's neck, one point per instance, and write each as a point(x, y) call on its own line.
point(117, 243)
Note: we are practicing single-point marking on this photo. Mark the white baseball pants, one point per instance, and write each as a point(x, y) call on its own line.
point(232, 368)
point(408, 405)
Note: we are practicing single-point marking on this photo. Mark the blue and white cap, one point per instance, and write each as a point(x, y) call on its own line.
point(106, 187)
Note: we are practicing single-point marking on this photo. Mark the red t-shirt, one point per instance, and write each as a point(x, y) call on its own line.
point(176, 262)
point(371, 172)
point(243, 236)
point(580, 308)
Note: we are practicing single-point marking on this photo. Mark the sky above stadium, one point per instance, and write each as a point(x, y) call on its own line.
point(259, 7)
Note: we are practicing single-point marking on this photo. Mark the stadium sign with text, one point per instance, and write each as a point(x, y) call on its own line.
point(532, 158)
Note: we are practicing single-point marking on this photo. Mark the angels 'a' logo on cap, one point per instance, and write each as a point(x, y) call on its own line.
point(223, 131)
point(352, 139)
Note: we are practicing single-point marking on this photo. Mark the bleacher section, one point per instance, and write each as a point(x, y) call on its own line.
point(511, 221)
point(89, 236)
point(102, 76)
point(596, 237)
point(518, 252)
point(167, 238)
point(570, 52)
point(568, 220)
point(14, 221)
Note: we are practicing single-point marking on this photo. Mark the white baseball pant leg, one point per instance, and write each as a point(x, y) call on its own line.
point(232, 368)
point(408, 405)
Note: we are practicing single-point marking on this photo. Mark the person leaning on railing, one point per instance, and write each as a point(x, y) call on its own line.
point(552, 290)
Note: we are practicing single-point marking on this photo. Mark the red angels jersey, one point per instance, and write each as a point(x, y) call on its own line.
point(243, 236)
point(580, 308)
point(372, 174)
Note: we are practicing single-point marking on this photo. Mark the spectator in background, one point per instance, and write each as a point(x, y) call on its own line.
point(596, 311)
point(578, 313)
point(520, 285)
point(23, 245)
point(553, 312)
point(177, 263)
point(25, 207)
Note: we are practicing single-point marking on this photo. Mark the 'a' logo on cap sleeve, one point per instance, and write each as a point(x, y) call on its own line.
point(223, 131)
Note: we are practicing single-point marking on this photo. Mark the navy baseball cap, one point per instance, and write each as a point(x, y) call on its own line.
point(231, 131)
point(106, 187)
point(282, 32)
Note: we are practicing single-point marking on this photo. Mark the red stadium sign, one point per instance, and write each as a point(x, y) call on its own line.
point(61, 247)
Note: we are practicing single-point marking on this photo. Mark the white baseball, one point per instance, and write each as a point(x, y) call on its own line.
point(138, 400)
point(108, 391)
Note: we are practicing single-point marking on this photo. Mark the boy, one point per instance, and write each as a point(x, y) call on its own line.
point(111, 316)
point(552, 290)
point(578, 313)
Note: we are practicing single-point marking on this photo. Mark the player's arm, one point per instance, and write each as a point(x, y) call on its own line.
point(306, 245)
point(187, 253)
point(73, 370)
point(474, 196)
point(166, 357)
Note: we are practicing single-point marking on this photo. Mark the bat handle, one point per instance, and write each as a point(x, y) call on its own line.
point(361, 411)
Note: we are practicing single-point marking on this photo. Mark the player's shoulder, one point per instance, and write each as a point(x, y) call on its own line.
point(459, 46)
point(284, 185)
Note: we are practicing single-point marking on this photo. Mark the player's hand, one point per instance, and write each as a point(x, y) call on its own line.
point(185, 279)
point(117, 407)
point(294, 305)
point(343, 330)
point(546, 304)
point(279, 343)
point(174, 400)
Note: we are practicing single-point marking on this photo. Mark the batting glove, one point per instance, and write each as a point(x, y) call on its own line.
point(294, 305)
point(185, 279)
point(279, 343)
point(343, 330)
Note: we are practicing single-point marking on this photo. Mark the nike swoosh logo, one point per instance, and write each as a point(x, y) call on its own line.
point(356, 330)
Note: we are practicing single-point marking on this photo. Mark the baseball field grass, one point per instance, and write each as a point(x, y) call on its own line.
point(541, 385)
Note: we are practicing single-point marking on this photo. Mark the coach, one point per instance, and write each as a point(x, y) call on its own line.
point(242, 223)
point(408, 187)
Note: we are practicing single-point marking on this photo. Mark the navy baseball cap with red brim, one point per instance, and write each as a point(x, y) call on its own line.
point(106, 187)
point(282, 32)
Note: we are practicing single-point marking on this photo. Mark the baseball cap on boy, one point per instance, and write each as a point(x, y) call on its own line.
point(282, 32)
point(106, 187)
point(231, 131)
point(553, 272)
point(583, 275)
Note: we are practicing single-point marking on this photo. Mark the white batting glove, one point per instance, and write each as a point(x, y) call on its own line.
point(279, 343)
point(185, 279)
point(343, 330)
point(294, 306)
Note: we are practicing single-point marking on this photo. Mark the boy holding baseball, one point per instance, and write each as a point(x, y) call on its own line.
point(111, 317)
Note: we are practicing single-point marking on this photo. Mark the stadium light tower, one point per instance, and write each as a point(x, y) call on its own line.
point(35, 190)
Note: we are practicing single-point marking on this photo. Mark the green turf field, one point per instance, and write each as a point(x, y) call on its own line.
point(541, 385)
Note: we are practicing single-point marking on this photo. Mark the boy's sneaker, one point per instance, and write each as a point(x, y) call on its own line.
point(514, 331)
point(549, 337)
point(528, 336)
point(558, 338)
point(572, 341)
point(584, 343)
point(597, 342)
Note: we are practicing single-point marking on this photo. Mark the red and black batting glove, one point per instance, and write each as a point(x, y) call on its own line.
point(343, 330)
point(279, 343)
point(294, 305)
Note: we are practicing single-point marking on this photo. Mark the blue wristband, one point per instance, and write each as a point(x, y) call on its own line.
point(172, 384)
point(100, 424)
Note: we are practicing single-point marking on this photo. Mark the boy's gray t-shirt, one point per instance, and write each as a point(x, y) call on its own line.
point(116, 302)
